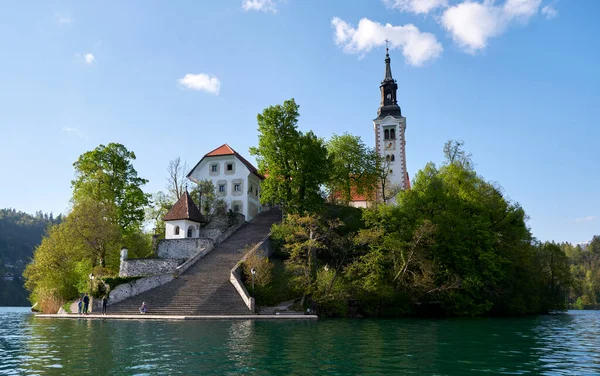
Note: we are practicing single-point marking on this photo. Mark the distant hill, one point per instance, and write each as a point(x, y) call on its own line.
point(20, 233)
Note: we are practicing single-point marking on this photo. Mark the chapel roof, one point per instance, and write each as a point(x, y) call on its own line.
point(185, 208)
point(227, 150)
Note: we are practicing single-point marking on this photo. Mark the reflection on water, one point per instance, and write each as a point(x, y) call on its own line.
point(555, 344)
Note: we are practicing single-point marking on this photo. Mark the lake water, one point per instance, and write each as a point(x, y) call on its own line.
point(550, 345)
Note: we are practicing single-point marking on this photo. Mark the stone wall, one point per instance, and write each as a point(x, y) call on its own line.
point(210, 233)
point(147, 267)
point(127, 290)
point(182, 248)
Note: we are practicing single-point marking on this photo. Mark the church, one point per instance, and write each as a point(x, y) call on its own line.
point(238, 182)
point(389, 127)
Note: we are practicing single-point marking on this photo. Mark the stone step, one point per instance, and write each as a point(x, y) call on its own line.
point(205, 288)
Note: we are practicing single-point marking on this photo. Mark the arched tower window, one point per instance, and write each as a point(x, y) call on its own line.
point(386, 134)
point(176, 231)
point(190, 232)
point(392, 158)
point(387, 157)
point(393, 134)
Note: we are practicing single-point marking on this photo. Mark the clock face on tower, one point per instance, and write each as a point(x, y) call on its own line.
point(389, 145)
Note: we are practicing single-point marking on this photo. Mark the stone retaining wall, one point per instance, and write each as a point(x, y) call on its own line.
point(148, 267)
point(127, 290)
point(182, 248)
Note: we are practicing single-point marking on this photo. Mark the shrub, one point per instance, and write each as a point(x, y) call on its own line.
point(113, 282)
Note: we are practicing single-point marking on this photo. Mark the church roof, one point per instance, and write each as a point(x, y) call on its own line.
point(184, 208)
point(227, 150)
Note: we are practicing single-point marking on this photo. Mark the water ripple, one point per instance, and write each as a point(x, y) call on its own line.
point(565, 344)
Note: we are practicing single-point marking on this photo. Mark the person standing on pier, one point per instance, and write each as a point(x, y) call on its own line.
point(86, 303)
point(104, 304)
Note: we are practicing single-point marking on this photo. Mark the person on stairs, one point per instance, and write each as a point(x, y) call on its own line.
point(143, 308)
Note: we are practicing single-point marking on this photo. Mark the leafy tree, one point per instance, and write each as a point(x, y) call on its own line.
point(205, 192)
point(160, 205)
point(51, 276)
point(353, 167)
point(454, 245)
point(454, 153)
point(584, 264)
point(295, 163)
point(106, 174)
point(20, 233)
point(95, 231)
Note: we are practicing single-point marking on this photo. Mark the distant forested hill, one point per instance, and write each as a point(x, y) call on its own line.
point(20, 233)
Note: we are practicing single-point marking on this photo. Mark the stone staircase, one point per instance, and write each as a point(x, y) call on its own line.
point(204, 289)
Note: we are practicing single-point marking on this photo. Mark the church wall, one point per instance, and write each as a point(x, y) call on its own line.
point(395, 147)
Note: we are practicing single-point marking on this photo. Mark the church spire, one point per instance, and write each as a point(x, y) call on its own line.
point(388, 87)
point(388, 68)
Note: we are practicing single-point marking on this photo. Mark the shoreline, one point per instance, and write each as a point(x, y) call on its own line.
point(176, 318)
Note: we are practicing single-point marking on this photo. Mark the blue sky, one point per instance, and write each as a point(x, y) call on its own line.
point(517, 80)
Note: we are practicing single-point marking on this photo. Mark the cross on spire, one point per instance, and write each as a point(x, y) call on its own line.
point(387, 44)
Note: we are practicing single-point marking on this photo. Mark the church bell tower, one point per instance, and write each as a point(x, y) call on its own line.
point(389, 127)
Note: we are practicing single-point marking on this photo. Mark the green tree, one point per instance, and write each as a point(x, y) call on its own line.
point(353, 167)
point(94, 230)
point(205, 193)
point(106, 174)
point(295, 163)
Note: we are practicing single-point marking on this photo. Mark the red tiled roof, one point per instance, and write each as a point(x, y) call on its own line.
point(354, 196)
point(221, 150)
point(227, 150)
point(184, 208)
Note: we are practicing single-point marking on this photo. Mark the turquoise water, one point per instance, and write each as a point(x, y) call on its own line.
point(548, 345)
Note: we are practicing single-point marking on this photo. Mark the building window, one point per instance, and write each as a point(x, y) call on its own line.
point(190, 233)
point(251, 188)
point(214, 168)
point(229, 166)
point(392, 134)
point(221, 187)
point(237, 187)
point(392, 158)
point(176, 231)
point(236, 208)
point(386, 134)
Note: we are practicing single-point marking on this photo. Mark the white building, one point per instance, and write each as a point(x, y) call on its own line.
point(236, 180)
point(184, 219)
point(389, 127)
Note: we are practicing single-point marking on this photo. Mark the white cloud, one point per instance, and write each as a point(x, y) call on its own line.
point(201, 82)
point(259, 5)
point(89, 58)
point(74, 131)
point(416, 6)
point(62, 19)
point(549, 12)
point(417, 47)
point(585, 219)
point(471, 23)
